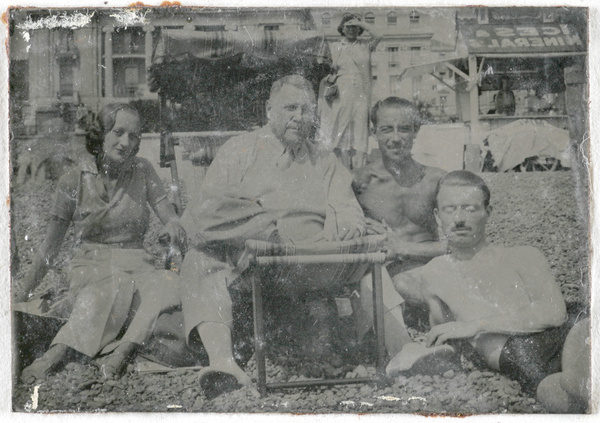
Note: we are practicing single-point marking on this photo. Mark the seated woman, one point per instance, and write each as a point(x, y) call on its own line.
point(106, 198)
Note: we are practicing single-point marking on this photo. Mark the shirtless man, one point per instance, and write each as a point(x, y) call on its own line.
point(503, 304)
point(397, 195)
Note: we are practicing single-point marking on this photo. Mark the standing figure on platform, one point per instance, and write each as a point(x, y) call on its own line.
point(344, 110)
point(106, 198)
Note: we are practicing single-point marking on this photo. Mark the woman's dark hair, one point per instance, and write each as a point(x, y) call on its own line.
point(103, 123)
point(345, 19)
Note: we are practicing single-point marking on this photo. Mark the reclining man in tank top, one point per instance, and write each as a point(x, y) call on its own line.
point(501, 304)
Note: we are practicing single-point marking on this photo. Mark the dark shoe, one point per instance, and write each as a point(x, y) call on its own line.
point(52, 359)
point(216, 383)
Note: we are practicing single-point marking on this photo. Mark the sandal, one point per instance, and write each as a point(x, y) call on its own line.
point(46, 364)
point(114, 363)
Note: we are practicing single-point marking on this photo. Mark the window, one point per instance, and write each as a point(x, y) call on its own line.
point(131, 80)
point(443, 101)
point(395, 84)
point(374, 77)
point(65, 43)
point(482, 16)
point(271, 27)
point(67, 56)
point(392, 18)
point(65, 70)
point(128, 40)
point(415, 53)
point(128, 76)
point(210, 28)
point(370, 17)
point(18, 80)
point(392, 56)
point(414, 17)
point(326, 19)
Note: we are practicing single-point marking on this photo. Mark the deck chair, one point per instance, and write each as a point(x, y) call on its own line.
point(315, 267)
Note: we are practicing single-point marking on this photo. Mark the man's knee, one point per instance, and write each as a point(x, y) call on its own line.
point(576, 369)
point(552, 396)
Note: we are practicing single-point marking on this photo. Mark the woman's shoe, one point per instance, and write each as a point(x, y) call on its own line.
point(46, 364)
point(115, 362)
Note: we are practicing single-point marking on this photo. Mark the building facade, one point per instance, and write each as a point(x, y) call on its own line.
point(69, 70)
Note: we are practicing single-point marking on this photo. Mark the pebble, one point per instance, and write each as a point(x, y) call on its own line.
point(361, 371)
point(474, 375)
point(351, 392)
point(556, 231)
point(449, 374)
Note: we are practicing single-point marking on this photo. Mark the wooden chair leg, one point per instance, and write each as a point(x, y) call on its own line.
point(259, 335)
point(378, 320)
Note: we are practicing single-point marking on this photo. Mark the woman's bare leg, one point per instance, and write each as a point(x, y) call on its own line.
point(216, 338)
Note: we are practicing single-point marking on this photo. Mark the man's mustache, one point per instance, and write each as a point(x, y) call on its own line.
point(460, 228)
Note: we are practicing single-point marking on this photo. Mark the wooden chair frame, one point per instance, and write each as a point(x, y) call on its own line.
point(375, 259)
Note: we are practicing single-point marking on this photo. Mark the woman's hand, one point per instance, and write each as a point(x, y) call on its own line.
point(57, 228)
point(173, 230)
point(177, 235)
point(371, 29)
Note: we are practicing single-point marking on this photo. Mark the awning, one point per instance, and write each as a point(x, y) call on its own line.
point(431, 67)
point(221, 80)
point(252, 41)
point(186, 63)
